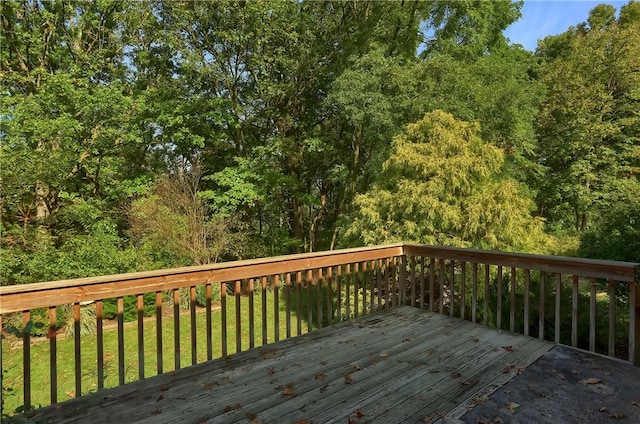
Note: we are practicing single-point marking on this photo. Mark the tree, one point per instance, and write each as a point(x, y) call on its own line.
point(588, 125)
point(615, 232)
point(174, 225)
point(443, 184)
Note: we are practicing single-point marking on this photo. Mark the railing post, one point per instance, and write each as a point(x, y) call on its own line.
point(634, 321)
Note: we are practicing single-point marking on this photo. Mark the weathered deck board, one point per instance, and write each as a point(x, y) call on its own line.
point(395, 366)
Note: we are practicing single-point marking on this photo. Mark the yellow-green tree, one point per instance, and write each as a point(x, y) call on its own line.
point(442, 184)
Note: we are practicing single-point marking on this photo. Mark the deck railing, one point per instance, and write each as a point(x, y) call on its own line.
point(206, 312)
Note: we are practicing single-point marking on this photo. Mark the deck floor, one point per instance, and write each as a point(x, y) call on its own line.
point(402, 365)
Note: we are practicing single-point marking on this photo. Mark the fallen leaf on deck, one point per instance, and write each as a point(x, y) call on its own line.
point(513, 406)
point(156, 412)
point(289, 391)
point(230, 408)
point(427, 419)
point(301, 422)
point(617, 415)
point(508, 348)
point(456, 374)
point(507, 369)
point(165, 388)
point(408, 339)
point(591, 381)
point(209, 385)
point(323, 362)
point(160, 398)
point(475, 339)
point(602, 409)
point(320, 376)
point(348, 379)
point(272, 371)
point(483, 420)
point(430, 352)
point(635, 403)
point(384, 354)
point(358, 413)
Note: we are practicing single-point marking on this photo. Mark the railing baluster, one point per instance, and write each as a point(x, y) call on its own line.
point(463, 289)
point(252, 312)
point(362, 287)
point(320, 315)
point(159, 352)
point(176, 329)
point(574, 312)
point(120, 314)
point(372, 287)
point(140, 310)
point(634, 318)
point(403, 281)
point(236, 293)
point(413, 281)
point(422, 282)
point(557, 314)
point(388, 284)
point(379, 282)
point(474, 292)
point(77, 348)
point(432, 282)
point(527, 288)
point(53, 359)
point(356, 288)
point(299, 302)
point(592, 315)
point(287, 291)
point(452, 288)
point(485, 316)
point(541, 307)
point(347, 284)
point(612, 317)
point(209, 327)
point(223, 317)
point(100, 343)
point(26, 359)
point(441, 278)
point(264, 310)
point(499, 298)
point(276, 307)
point(194, 333)
point(330, 274)
point(309, 286)
point(512, 298)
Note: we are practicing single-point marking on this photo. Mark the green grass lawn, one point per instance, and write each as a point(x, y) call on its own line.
point(40, 363)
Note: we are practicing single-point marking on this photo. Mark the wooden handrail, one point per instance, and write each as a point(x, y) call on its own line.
point(596, 268)
point(24, 297)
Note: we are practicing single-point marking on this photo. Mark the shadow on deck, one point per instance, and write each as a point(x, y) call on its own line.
point(402, 365)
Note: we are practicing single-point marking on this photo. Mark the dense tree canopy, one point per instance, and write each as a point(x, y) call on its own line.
point(237, 129)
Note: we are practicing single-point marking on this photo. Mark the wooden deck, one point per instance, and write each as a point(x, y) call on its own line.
point(402, 365)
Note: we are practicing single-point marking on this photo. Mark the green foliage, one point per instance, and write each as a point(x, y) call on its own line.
point(288, 108)
point(615, 233)
point(130, 307)
point(442, 184)
point(588, 124)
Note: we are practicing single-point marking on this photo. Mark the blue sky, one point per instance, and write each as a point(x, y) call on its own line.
point(550, 17)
